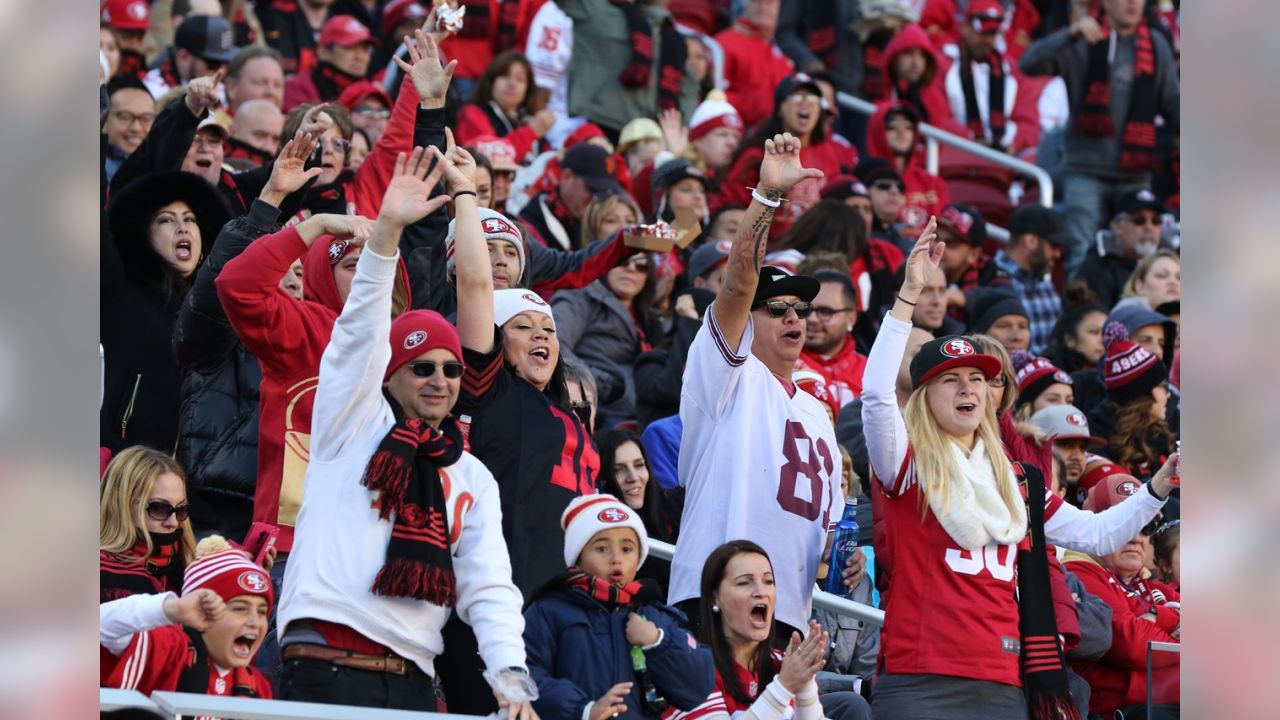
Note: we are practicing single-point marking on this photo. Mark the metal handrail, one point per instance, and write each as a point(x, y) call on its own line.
point(934, 135)
point(821, 598)
point(116, 699)
point(178, 705)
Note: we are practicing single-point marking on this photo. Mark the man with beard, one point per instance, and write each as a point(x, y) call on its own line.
point(829, 347)
point(202, 44)
point(1037, 236)
point(1134, 234)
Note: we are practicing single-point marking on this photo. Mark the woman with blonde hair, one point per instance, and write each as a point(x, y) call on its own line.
point(956, 525)
point(144, 535)
point(1157, 278)
point(607, 214)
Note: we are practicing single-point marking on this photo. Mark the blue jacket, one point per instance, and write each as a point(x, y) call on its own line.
point(577, 649)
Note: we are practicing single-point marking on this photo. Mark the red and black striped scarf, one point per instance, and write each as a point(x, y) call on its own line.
point(1138, 136)
point(822, 33)
point(1044, 674)
point(330, 81)
point(137, 572)
point(637, 73)
point(477, 23)
point(995, 96)
point(603, 591)
point(405, 471)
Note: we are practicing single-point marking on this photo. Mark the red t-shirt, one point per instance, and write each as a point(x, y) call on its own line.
point(952, 611)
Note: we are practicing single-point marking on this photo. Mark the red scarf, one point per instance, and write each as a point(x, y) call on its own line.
point(405, 471)
point(1138, 136)
point(604, 591)
point(995, 96)
point(636, 74)
point(822, 33)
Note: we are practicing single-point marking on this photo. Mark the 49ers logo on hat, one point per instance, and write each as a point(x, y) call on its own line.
point(1063, 378)
point(610, 165)
point(1127, 488)
point(724, 246)
point(414, 339)
point(495, 226)
point(337, 248)
point(253, 581)
point(612, 515)
point(962, 220)
point(534, 299)
point(1077, 419)
point(958, 348)
point(136, 10)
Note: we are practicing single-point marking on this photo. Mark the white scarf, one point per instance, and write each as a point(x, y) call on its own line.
point(977, 514)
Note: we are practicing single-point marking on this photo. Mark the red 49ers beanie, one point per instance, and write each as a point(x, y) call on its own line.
point(418, 331)
point(1129, 370)
point(226, 571)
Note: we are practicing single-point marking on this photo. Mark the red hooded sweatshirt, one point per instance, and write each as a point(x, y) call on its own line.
point(939, 20)
point(288, 337)
point(932, 97)
point(926, 194)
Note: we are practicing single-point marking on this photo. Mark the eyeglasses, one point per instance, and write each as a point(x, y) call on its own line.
point(373, 113)
point(997, 381)
point(1150, 528)
point(889, 186)
point(159, 510)
point(826, 313)
point(636, 262)
point(339, 144)
point(1165, 528)
point(127, 118)
point(427, 368)
point(206, 140)
point(779, 308)
point(803, 97)
point(1140, 220)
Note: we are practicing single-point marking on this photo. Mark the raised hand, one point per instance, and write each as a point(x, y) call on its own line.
point(611, 703)
point(202, 92)
point(642, 631)
point(408, 196)
point(1162, 481)
point(924, 258)
point(288, 172)
point(804, 658)
point(541, 122)
point(1087, 28)
point(316, 121)
point(430, 79)
point(673, 129)
point(198, 609)
point(460, 167)
point(781, 169)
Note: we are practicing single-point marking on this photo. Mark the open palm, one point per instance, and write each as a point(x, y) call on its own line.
point(430, 78)
point(408, 196)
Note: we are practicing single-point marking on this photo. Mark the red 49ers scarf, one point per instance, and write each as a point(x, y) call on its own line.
point(607, 593)
point(405, 471)
point(1138, 137)
point(995, 96)
point(636, 74)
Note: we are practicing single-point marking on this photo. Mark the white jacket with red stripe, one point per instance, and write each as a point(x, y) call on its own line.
point(340, 543)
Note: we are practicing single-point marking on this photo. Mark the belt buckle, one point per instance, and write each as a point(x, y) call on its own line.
point(396, 665)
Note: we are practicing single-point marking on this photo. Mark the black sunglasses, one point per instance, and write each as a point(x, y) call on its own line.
point(887, 185)
point(778, 308)
point(427, 368)
point(1151, 528)
point(159, 510)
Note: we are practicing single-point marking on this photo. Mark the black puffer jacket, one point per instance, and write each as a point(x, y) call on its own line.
point(218, 416)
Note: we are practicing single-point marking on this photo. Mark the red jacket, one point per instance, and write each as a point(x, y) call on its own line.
point(833, 157)
point(473, 122)
point(939, 20)
point(842, 371)
point(932, 95)
point(1119, 678)
point(753, 67)
point(157, 658)
point(475, 53)
point(926, 194)
point(368, 184)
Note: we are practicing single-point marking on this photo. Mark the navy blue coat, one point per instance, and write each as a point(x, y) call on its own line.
point(577, 649)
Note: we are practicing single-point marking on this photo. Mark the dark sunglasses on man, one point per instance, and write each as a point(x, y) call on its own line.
point(778, 308)
point(427, 368)
point(159, 510)
point(889, 186)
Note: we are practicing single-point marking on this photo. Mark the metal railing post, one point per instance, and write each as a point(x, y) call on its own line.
point(931, 155)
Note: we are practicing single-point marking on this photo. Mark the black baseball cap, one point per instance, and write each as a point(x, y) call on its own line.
point(1036, 219)
point(595, 165)
point(666, 175)
point(775, 281)
point(793, 83)
point(208, 37)
point(871, 169)
point(1140, 199)
point(952, 351)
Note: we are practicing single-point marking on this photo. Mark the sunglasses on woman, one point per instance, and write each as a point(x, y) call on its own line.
point(427, 368)
point(778, 308)
point(639, 263)
point(159, 510)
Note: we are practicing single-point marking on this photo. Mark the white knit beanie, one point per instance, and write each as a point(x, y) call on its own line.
point(496, 226)
point(714, 112)
point(588, 515)
point(509, 303)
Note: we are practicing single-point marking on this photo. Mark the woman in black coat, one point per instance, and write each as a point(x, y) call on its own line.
point(158, 230)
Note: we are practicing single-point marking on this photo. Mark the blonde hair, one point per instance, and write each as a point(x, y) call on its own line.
point(988, 345)
point(128, 482)
point(1143, 269)
point(934, 464)
point(598, 209)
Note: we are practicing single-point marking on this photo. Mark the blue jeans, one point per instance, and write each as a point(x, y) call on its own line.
point(269, 661)
point(1088, 199)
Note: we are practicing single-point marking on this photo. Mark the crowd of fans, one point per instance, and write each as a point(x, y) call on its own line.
point(422, 318)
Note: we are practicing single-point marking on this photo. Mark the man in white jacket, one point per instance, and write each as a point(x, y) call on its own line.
point(399, 524)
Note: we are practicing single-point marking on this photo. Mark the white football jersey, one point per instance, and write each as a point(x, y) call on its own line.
point(549, 48)
point(756, 464)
